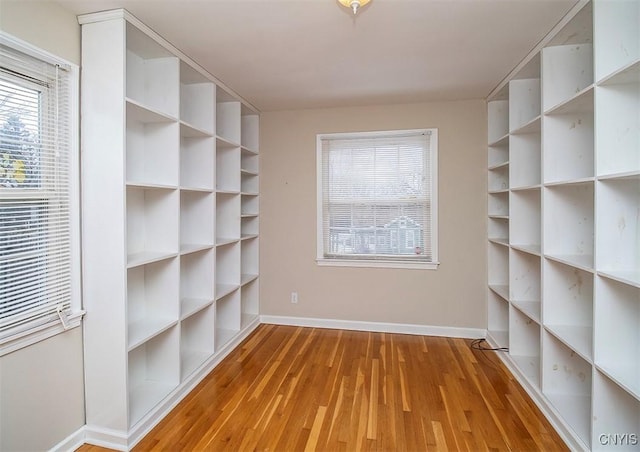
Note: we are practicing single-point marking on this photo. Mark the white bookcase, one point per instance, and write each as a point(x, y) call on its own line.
point(170, 225)
point(563, 225)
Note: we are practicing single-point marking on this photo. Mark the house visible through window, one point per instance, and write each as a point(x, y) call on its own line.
point(377, 198)
point(37, 230)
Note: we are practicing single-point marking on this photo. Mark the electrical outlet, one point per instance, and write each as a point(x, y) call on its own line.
point(294, 297)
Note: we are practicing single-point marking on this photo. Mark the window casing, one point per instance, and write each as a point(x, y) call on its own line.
point(39, 237)
point(377, 199)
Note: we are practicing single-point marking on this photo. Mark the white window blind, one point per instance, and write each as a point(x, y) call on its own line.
point(377, 196)
point(35, 191)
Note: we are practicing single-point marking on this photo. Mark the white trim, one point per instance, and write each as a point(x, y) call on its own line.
point(110, 439)
point(378, 133)
point(435, 205)
point(39, 333)
point(417, 265)
point(548, 411)
point(71, 442)
point(33, 51)
point(378, 327)
point(319, 197)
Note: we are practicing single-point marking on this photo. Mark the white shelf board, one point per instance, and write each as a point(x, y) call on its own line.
point(247, 278)
point(222, 241)
point(144, 186)
point(145, 114)
point(141, 331)
point(188, 248)
point(223, 143)
point(222, 290)
point(499, 241)
point(500, 141)
point(627, 175)
point(248, 172)
point(224, 336)
point(190, 306)
point(630, 277)
point(224, 191)
point(499, 217)
point(248, 236)
point(247, 150)
point(578, 338)
point(495, 160)
point(533, 126)
point(249, 215)
point(581, 261)
point(497, 192)
point(529, 249)
point(194, 189)
point(580, 102)
point(569, 182)
point(576, 410)
point(529, 366)
point(191, 131)
point(190, 360)
point(523, 188)
point(627, 74)
point(144, 396)
point(499, 165)
point(627, 377)
point(501, 290)
point(529, 308)
point(148, 257)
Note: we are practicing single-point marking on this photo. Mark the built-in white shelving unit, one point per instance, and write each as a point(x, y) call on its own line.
point(563, 224)
point(170, 225)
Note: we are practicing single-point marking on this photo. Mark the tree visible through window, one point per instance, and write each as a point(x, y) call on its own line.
point(19, 143)
point(377, 193)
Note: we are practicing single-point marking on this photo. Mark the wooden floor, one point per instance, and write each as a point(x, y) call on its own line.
point(296, 389)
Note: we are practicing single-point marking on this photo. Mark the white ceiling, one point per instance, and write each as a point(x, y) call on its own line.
point(293, 54)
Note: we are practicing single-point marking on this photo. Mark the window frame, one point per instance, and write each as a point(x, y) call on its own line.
point(399, 262)
point(52, 325)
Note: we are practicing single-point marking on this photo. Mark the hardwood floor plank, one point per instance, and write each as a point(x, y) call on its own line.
point(292, 389)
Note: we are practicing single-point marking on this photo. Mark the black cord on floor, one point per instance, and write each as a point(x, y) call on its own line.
point(479, 344)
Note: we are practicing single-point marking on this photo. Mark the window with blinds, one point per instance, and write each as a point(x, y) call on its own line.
point(36, 190)
point(377, 197)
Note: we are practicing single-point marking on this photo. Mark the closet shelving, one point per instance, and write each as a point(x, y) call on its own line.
point(563, 233)
point(171, 224)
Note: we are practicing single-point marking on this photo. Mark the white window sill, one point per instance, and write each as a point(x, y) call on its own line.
point(39, 333)
point(322, 262)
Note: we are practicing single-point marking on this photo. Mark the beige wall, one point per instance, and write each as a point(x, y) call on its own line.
point(44, 24)
point(41, 386)
point(452, 296)
point(42, 393)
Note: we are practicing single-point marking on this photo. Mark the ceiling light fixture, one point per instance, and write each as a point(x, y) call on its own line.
point(354, 4)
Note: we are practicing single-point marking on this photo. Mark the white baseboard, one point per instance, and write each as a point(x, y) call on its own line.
point(378, 327)
point(71, 442)
point(111, 439)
